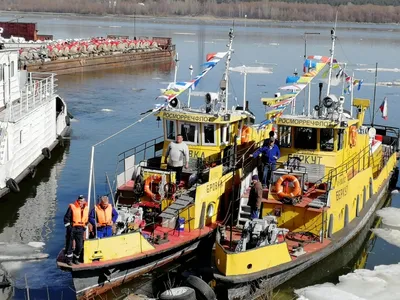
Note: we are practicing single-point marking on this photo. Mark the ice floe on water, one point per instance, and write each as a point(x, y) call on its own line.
point(107, 110)
point(381, 283)
point(390, 216)
point(392, 236)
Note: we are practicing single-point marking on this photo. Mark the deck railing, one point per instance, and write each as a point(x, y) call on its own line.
point(39, 89)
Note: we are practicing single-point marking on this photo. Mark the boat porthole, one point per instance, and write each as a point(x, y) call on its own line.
point(358, 206)
point(249, 266)
point(210, 210)
point(365, 196)
point(370, 188)
point(330, 225)
point(346, 215)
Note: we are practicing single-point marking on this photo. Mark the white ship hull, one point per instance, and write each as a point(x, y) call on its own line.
point(33, 120)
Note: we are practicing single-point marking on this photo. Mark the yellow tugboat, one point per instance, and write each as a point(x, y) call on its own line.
point(332, 174)
point(160, 221)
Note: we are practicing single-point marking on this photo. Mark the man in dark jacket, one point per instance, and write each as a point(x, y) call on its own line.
point(255, 197)
point(270, 154)
point(75, 221)
point(271, 137)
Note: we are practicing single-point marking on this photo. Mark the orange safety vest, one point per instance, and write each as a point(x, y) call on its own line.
point(80, 217)
point(104, 216)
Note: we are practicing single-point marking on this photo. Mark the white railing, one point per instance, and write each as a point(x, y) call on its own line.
point(39, 89)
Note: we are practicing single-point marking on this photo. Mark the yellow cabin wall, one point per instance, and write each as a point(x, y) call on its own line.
point(115, 247)
point(251, 261)
point(384, 174)
point(211, 192)
point(295, 218)
point(346, 192)
point(189, 214)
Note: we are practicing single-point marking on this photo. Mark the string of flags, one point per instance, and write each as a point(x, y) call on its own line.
point(295, 84)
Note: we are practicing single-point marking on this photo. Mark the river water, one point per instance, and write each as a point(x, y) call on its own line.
point(104, 102)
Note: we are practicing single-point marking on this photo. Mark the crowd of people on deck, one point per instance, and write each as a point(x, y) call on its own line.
point(269, 153)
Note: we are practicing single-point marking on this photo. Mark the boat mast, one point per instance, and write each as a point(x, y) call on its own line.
point(333, 37)
point(373, 106)
point(244, 87)
point(352, 96)
point(190, 89)
point(176, 66)
point(225, 81)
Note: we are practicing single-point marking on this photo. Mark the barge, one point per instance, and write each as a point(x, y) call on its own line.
point(40, 53)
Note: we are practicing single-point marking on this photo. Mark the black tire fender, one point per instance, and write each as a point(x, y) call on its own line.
point(67, 120)
point(179, 293)
point(46, 153)
point(12, 185)
point(32, 171)
point(202, 289)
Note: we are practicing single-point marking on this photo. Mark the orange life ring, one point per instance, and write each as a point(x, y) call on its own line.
point(353, 136)
point(151, 180)
point(293, 193)
point(245, 138)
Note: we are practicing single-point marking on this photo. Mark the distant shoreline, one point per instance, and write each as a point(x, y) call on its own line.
point(211, 20)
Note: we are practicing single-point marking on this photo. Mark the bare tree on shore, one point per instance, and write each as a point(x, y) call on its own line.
point(290, 10)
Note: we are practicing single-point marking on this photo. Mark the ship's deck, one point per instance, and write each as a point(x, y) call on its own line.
point(309, 245)
point(175, 239)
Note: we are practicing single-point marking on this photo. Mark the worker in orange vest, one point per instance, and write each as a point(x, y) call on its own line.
point(102, 217)
point(75, 220)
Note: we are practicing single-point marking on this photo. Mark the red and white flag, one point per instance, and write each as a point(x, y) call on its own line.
point(383, 109)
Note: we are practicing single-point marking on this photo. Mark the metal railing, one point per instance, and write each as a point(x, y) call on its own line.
point(141, 152)
point(355, 164)
point(39, 89)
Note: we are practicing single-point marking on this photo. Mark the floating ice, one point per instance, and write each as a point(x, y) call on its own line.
point(106, 110)
point(19, 252)
point(185, 33)
point(391, 236)
point(36, 244)
point(390, 216)
point(380, 283)
point(371, 70)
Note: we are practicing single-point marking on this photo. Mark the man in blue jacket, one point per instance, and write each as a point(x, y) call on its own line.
point(102, 217)
point(270, 154)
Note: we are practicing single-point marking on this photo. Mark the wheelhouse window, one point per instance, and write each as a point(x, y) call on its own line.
point(340, 138)
point(305, 138)
point(209, 134)
point(285, 136)
point(12, 69)
point(327, 139)
point(189, 132)
point(224, 132)
point(170, 129)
